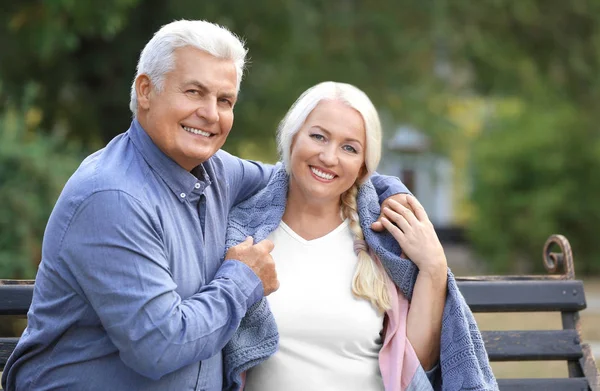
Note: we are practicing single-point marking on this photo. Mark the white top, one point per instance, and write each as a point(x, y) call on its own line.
point(329, 340)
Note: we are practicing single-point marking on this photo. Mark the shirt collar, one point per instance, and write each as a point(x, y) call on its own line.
point(181, 182)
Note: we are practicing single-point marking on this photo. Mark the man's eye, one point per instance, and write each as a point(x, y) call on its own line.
point(192, 92)
point(226, 101)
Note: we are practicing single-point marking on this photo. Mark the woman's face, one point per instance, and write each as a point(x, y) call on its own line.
point(328, 153)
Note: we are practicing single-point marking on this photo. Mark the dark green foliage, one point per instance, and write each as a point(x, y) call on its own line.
point(534, 172)
point(33, 169)
point(534, 176)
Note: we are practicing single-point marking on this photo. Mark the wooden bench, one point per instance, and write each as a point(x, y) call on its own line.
point(560, 293)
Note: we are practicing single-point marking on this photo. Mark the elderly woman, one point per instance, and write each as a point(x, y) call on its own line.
point(352, 312)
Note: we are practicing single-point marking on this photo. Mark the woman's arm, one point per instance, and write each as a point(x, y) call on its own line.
point(424, 324)
point(416, 235)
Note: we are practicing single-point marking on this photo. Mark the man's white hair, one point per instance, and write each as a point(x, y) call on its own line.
point(157, 58)
point(345, 93)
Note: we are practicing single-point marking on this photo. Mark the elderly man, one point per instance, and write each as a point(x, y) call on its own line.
point(132, 292)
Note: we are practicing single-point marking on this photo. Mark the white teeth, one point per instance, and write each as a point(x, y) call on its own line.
point(321, 174)
point(197, 131)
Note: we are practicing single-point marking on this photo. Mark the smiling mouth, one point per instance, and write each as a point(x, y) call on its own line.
point(322, 175)
point(197, 131)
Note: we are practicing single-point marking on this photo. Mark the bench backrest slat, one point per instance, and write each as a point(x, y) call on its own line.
point(15, 299)
point(7, 345)
point(482, 296)
point(523, 296)
point(569, 384)
point(532, 345)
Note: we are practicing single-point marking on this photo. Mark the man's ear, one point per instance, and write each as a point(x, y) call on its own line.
point(143, 88)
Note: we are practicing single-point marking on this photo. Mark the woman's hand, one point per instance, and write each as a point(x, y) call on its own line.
point(377, 226)
point(416, 235)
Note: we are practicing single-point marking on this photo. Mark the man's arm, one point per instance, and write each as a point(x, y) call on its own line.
point(245, 177)
point(115, 251)
point(387, 186)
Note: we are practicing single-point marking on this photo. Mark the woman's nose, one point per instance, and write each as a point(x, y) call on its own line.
point(329, 157)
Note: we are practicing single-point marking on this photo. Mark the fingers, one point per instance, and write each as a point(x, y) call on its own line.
point(394, 230)
point(258, 258)
point(417, 208)
point(397, 218)
point(403, 211)
point(265, 245)
point(377, 226)
point(248, 242)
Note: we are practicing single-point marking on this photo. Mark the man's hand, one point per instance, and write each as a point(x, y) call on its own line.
point(258, 258)
point(402, 199)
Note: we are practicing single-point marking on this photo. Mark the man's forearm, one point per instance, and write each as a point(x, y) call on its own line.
point(197, 329)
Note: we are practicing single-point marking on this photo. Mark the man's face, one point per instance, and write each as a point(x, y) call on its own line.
point(189, 120)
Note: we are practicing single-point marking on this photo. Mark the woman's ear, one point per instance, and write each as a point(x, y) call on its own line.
point(363, 173)
point(143, 88)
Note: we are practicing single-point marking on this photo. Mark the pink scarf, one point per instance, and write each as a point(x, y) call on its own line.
point(398, 361)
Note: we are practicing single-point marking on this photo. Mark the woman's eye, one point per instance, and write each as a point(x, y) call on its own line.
point(349, 148)
point(318, 137)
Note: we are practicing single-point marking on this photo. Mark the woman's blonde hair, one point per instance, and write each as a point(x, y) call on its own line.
point(369, 280)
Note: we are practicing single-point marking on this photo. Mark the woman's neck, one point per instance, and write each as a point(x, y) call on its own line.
point(311, 219)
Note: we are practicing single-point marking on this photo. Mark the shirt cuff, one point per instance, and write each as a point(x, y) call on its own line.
point(244, 278)
point(420, 381)
point(434, 376)
point(395, 187)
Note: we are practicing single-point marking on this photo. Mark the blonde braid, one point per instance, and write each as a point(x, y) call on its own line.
point(368, 281)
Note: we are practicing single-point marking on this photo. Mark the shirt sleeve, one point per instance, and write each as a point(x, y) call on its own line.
point(114, 249)
point(434, 377)
point(387, 186)
point(422, 380)
point(245, 177)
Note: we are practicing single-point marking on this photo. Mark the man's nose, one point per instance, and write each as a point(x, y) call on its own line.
point(209, 111)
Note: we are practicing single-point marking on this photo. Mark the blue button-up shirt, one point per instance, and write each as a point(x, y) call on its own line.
point(131, 293)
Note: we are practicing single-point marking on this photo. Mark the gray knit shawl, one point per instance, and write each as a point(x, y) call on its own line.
point(463, 358)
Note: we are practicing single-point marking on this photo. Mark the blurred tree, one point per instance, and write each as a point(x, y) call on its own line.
point(533, 170)
point(534, 176)
point(83, 57)
point(33, 169)
point(77, 61)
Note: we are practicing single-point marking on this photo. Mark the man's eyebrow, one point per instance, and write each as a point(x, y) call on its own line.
point(203, 88)
point(197, 84)
point(229, 95)
point(329, 134)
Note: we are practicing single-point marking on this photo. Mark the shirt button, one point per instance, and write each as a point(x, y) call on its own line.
point(197, 185)
point(182, 195)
